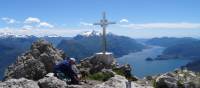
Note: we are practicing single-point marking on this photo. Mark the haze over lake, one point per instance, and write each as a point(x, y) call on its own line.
point(142, 68)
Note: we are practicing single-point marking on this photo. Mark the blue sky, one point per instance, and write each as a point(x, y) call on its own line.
point(135, 18)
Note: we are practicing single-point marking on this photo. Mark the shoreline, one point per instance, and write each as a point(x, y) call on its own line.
point(141, 67)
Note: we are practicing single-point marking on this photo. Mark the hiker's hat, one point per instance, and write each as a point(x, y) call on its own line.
point(73, 59)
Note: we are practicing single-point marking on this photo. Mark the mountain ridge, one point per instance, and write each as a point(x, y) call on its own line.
point(169, 41)
point(119, 45)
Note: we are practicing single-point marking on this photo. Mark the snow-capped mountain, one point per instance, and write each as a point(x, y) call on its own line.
point(25, 34)
point(9, 34)
point(93, 33)
point(90, 42)
point(90, 33)
point(14, 35)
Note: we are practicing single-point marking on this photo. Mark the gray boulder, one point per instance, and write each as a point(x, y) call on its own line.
point(19, 83)
point(114, 82)
point(77, 86)
point(51, 82)
point(119, 82)
point(166, 81)
point(178, 79)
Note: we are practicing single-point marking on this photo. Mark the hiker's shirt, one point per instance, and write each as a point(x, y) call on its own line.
point(75, 69)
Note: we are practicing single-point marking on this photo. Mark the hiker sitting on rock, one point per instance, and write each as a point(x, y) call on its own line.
point(67, 70)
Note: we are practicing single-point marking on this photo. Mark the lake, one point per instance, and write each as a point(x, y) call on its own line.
point(142, 68)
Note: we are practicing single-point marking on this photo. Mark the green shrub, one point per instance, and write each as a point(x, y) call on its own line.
point(119, 72)
point(179, 84)
point(100, 76)
point(122, 73)
point(154, 83)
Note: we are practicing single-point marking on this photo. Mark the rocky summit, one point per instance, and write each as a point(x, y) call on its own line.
point(35, 63)
point(32, 69)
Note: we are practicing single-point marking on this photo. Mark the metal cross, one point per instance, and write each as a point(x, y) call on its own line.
point(104, 23)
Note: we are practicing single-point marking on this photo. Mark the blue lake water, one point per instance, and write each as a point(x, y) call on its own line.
point(142, 68)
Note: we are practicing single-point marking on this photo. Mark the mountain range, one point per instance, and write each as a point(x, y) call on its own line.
point(189, 50)
point(86, 44)
point(169, 41)
point(178, 47)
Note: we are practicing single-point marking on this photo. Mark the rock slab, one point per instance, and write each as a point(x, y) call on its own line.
point(19, 83)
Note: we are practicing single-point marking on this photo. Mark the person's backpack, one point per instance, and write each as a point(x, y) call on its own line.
point(62, 66)
point(62, 69)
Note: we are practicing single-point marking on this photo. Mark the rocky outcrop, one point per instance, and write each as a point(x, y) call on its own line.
point(119, 82)
point(19, 83)
point(167, 80)
point(114, 82)
point(97, 62)
point(100, 63)
point(51, 82)
point(35, 63)
point(46, 82)
point(178, 79)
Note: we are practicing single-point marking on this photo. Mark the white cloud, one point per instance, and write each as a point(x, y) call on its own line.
point(45, 24)
point(32, 20)
point(9, 20)
point(86, 24)
point(181, 25)
point(123, 21)
point(27, 27)
point(39, 23)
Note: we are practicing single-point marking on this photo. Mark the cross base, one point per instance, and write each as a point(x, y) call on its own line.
point(106, 58)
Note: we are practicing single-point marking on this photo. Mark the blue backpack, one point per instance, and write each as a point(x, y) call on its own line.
point(63, 70)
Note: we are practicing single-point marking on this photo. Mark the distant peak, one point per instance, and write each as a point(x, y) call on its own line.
point(9, 34)
point(52, 35)
point(91, 33)
point(15, 35)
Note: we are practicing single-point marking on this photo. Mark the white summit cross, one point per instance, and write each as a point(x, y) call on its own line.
point(104, 23)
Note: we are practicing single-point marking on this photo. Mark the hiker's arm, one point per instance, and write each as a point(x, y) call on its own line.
point(76, 72)
point(75, 69)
